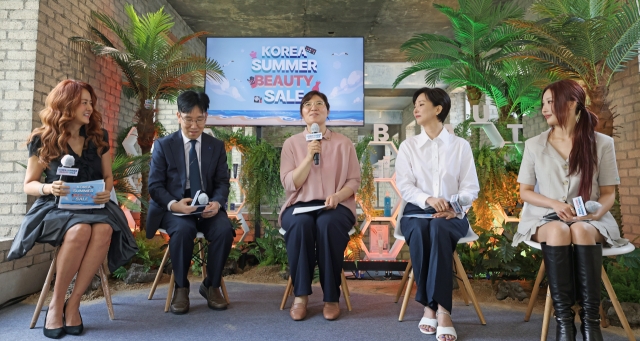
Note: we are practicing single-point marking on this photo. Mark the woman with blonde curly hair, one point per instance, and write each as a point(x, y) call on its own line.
point(71, 125)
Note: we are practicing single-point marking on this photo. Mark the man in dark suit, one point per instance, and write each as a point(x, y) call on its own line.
point(183, 163)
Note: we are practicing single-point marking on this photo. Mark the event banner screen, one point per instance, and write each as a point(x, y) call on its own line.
point(266, 78)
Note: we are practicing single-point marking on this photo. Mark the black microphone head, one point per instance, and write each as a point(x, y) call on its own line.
point(315, 128)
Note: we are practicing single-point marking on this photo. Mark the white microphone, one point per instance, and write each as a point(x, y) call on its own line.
point(458, 201)
point(592, 206)
point(203, 199)
point(65, 167)
point(315, 135)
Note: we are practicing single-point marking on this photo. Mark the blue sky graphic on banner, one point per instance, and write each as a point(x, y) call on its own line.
point(267, 77)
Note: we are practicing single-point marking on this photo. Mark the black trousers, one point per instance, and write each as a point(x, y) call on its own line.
point(431, 245)
point(318, 236)
point(217, 231)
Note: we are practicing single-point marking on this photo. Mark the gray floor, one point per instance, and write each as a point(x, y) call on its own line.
point(254, 315)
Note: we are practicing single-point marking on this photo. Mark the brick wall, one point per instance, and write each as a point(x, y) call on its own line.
point(623, 93)
point(533, 125)
point(18, 32)
point(35, 55)
point(41, 253)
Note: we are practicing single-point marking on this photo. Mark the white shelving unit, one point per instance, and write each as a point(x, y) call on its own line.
point(384, 184)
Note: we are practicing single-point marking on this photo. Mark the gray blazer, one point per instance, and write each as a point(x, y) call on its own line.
point(543, 167)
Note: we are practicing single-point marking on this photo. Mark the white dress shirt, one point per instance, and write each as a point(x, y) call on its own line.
point(187, 149)
point(437, 168)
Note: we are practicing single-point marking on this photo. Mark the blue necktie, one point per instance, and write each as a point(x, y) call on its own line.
point(194, 169)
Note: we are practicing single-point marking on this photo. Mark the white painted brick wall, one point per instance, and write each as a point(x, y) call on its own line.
point(18, 25)
point(35, 55)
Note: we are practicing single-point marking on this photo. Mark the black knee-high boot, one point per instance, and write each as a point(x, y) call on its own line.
point(588, 270)
point(558, 260)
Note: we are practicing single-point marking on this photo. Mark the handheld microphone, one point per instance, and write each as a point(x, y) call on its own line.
point(67, 162)
point(592, 206)
point(458, 201)
point(65, 168)
point(315, 135)
point(203, 199)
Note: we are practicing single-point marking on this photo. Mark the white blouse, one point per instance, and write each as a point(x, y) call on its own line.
point(437, 168)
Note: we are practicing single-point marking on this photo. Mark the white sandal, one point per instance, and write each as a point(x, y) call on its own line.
point(445, 330)
point(425, 321)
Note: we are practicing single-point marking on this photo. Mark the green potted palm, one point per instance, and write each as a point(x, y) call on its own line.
point(155, 67)
point(585, 40)
point(474, 57)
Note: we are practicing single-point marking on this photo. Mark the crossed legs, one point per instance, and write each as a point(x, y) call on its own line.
point(83, 249)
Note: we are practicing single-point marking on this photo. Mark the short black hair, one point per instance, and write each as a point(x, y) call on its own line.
point(437, 97)
point(191, 99)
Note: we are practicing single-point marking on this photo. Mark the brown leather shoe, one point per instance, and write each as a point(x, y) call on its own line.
point(215, 300)
point(331, 310)
point(298, 311)
point(180, 301)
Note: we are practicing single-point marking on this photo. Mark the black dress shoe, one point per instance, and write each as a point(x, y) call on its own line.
point(215, 300)
point(52, 333)
point(72, 330)
point(180, 301)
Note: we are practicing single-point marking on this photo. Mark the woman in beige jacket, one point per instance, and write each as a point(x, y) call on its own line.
point(569, 160)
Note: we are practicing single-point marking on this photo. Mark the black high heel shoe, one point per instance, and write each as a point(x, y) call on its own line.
point(72, 330)
point(53, 333)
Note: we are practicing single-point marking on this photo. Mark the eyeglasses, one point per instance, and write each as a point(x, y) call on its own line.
point(188, 121)
point(318, 104)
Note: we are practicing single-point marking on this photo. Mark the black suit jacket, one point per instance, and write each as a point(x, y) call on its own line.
point(168, 176)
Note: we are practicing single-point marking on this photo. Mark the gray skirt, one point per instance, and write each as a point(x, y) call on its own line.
point(46, 223)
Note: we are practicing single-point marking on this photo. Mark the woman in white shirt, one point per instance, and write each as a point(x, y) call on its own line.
point(430, 168)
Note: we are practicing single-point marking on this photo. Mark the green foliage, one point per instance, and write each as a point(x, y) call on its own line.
point(366, 196)
point(154, 66)
point(122, 167)
point(270, 249)
point(492, 255)
point(120, 273)
point(582, 39)
point(260, 176)
point(623, 274)
point(473, 58)
point(150, 253)
point(236, 251)
point(463, 129)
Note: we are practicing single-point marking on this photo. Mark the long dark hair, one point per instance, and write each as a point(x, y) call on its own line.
point(583, 158)
point(58, 112)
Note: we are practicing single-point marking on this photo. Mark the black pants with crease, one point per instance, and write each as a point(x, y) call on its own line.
point(431, 245)
point(319, 236)
point(217, 231)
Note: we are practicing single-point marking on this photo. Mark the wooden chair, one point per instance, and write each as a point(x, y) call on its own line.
point(47, 284)
point(202, 242)
point(458, 269)
point(606, 251)
point(288, 291)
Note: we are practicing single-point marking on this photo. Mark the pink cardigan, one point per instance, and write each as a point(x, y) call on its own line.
point(338, 168)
